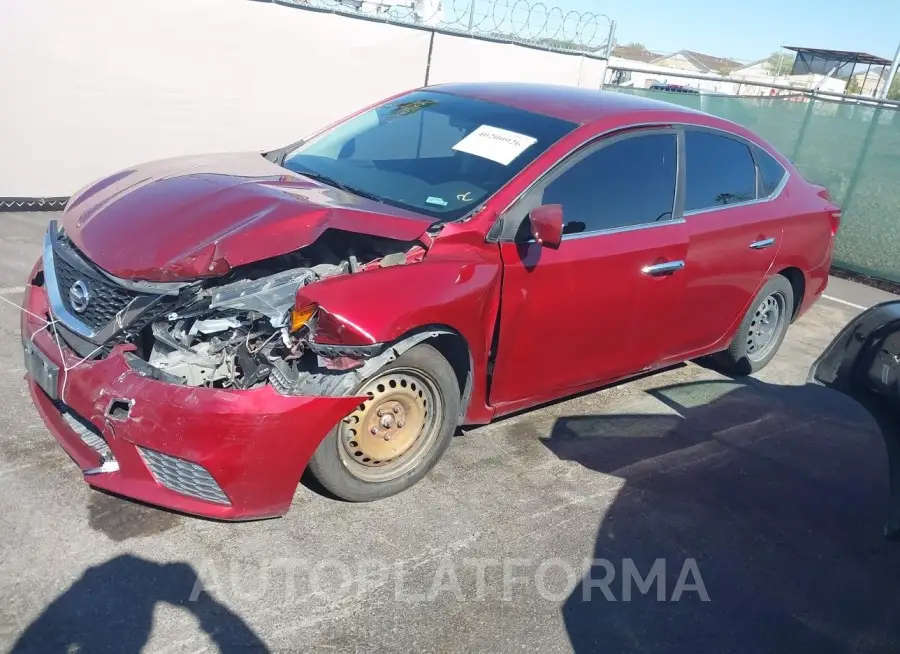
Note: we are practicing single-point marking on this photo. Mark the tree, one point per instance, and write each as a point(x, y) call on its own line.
point(779, 63)
point(635, 45)
point(854, 87)
point(894, 91)
point(559, 44)
point(411, 107)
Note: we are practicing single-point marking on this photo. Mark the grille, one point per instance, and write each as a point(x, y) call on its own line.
point(86, 431)
point(183, 476)
point(106, 297)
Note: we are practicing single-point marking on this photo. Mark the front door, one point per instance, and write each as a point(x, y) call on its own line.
point(596, 308)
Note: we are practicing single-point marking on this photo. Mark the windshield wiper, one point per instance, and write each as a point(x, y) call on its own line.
point(330, 181)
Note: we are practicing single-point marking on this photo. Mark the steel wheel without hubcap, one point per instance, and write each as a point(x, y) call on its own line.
point(389, 433)
point(766, 325)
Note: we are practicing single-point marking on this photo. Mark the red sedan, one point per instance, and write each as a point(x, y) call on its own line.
point(201, 330)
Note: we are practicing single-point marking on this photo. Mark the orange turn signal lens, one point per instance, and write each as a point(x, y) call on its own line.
point(300, 316)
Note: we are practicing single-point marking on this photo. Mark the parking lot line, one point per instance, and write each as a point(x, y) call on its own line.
point(844, 302)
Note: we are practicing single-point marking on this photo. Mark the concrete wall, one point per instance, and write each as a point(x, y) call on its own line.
point(91, 87)
point(458, 59)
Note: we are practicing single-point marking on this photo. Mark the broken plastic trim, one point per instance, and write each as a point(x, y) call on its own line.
point(119, 409)
point(352, 351)
point(190, 357)
point(288, 381)
point(106, 467)
point(270, 296)
point(144, 369)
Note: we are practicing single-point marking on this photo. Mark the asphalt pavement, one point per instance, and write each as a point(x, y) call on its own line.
point(680, 512)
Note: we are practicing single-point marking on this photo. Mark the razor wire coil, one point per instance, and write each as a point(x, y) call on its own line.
point(528, 22)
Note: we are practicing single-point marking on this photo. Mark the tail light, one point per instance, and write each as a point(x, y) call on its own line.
point(834, 214)
point(833, 211)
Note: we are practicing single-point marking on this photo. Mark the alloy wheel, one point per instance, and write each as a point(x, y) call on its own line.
point(766, 325)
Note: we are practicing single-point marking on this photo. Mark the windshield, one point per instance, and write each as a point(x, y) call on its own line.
point(432, 153)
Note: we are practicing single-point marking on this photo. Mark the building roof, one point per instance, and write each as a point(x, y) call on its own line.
point(751, 64)
point(874, 73)
point(704, 62)
point(572, 103)
point(635, 54)
point(845, 56)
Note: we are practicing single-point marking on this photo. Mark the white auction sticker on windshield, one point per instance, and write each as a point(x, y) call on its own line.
point(496, 144)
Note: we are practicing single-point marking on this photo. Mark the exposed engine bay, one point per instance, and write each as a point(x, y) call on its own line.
point(234, 331)
point(232, 334)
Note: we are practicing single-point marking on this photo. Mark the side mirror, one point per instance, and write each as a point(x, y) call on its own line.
point(547, 224)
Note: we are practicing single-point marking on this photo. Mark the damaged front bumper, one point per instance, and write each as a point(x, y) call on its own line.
point(220, 453)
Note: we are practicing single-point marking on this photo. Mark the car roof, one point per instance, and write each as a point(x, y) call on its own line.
point(572, 103)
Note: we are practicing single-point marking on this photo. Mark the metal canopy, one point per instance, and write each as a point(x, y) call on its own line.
point(840, 64)
point(843, 56)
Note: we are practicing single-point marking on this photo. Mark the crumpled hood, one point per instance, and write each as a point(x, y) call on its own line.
point(180, 219)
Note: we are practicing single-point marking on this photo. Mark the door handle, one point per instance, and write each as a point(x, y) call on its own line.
point(764, 243)
point(663, 268)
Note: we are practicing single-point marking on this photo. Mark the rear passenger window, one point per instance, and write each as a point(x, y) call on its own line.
point(627, 182)
point(720, 171)
point(770, 172)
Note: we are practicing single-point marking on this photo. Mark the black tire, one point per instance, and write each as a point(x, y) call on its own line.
point(744, 357)
point(333, 463)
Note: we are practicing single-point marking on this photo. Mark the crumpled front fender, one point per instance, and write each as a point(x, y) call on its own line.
point(453, 288)
point(380, 306)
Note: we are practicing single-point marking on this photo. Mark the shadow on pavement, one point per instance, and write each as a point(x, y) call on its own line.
point(110, 609)
point(776, 492)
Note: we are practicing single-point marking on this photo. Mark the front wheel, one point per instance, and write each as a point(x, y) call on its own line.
point(762, 330)
point(391, 440)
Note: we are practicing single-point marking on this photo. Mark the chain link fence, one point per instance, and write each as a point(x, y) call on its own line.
point(850, 147)
point(527, 22)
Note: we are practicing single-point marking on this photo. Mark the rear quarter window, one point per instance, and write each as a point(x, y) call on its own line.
point(771, 172)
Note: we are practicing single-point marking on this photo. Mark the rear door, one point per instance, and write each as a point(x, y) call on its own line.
point(734, 232)
point(595, 308)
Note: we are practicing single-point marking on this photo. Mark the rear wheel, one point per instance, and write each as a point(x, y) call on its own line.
point(762, 330)
point(391, 440)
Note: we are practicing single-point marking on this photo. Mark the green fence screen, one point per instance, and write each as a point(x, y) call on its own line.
point(852, 149)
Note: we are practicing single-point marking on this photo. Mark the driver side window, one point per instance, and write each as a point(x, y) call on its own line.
point(629, 181)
